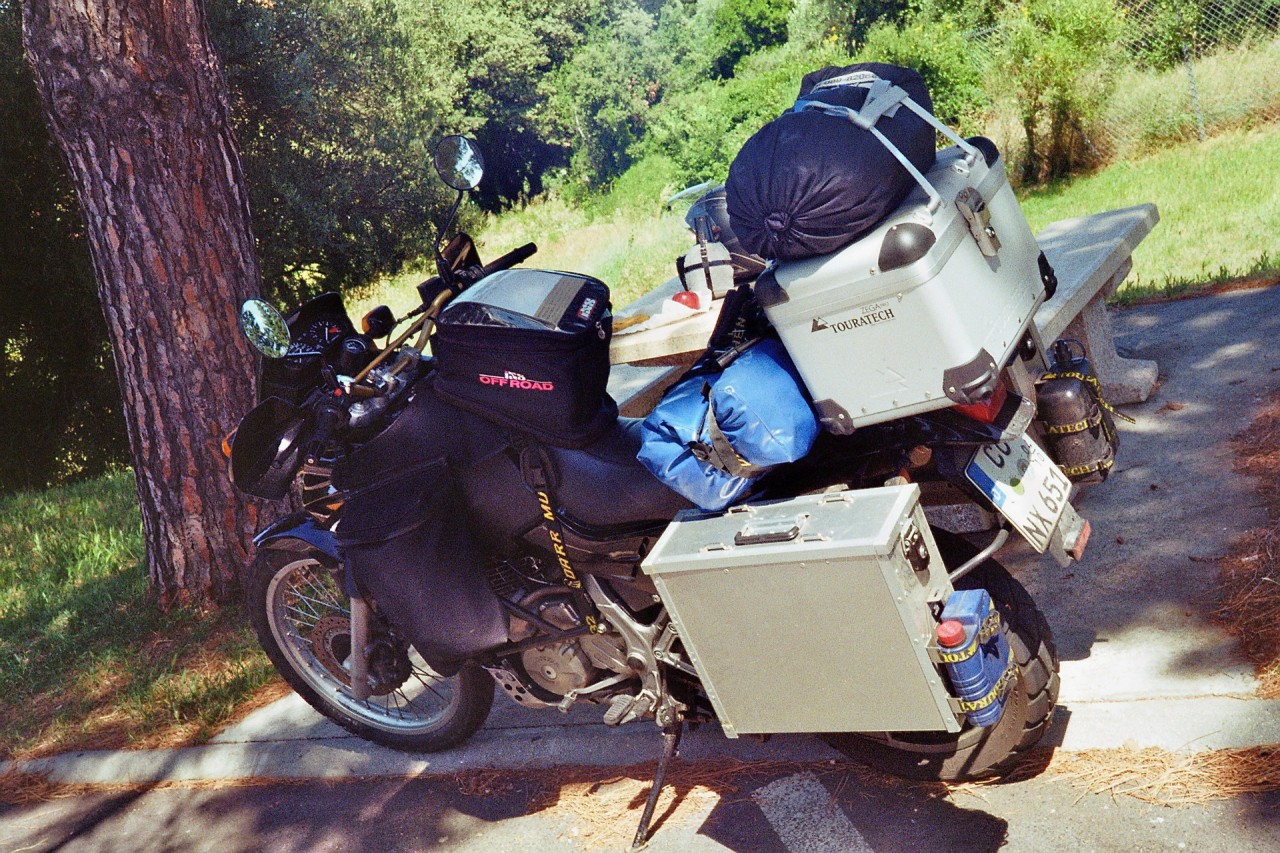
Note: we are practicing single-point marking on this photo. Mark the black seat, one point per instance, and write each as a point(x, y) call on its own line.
point(603, 485)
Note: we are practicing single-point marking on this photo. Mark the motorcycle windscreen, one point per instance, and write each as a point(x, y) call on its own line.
point(409, 547)
point(267, 449)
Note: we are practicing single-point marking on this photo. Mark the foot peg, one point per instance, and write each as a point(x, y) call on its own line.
point(618, 709)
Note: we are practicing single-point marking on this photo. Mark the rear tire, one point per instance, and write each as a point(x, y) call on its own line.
point(302, 619)
point(973, 752)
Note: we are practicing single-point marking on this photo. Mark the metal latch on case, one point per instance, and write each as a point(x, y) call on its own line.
point(975, 213)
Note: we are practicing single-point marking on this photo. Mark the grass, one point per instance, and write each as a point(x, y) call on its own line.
point(86, 658)
point(626, 238)
point(1234, 87)
point(1219, 210)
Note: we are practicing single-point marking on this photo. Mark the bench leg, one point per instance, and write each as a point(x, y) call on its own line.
point(1124, 380)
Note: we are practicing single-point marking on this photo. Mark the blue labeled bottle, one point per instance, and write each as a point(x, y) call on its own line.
point(976, 654)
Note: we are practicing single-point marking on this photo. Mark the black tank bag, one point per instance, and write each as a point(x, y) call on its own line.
point(529, 349)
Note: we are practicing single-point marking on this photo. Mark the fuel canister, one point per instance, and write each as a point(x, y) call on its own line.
point(975, 651)
point(1079, 430)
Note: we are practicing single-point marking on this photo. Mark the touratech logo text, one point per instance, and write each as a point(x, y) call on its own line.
point(516, 381)
point(871, 318)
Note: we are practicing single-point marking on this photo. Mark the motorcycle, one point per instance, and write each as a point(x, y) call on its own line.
point(555, 542)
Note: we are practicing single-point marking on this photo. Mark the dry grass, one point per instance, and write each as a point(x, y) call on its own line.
point(1165, 778)
point(192, 694)
point(1250, 574)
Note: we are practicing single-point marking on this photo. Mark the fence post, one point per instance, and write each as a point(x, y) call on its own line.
point(1191, 79)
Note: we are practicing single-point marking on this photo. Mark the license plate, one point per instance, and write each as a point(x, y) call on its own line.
point(1024, 484)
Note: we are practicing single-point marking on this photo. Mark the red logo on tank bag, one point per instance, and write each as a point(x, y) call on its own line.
point(510, 379)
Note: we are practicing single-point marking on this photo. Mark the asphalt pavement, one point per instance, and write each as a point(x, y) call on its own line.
point(1143, 664)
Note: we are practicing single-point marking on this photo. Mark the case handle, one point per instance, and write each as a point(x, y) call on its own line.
point(770, 531)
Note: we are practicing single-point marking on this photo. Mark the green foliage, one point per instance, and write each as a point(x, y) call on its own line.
point(1056, 60)
point(599, 99)
point(701, 130)
point(941, 49)
point(740, 28)
point(60, 415)
point(486, 62)
point(1164, 33)
point(841, 23)
point(331, 134)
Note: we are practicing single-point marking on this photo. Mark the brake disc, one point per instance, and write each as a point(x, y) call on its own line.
point(330, 640)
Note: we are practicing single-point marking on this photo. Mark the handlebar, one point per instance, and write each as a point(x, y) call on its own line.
point(329, 417)
point(510, 259)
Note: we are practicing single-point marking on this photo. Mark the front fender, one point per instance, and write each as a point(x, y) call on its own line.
point(295, 533)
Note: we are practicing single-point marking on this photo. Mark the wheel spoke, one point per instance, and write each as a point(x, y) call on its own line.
point(304, 596)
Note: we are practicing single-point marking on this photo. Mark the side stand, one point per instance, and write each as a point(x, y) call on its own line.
point(670, 741)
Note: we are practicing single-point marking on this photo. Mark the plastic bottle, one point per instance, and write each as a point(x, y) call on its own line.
point(975, 665)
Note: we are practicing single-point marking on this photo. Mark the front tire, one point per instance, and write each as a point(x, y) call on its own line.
point(973, 752)
point(302, 620)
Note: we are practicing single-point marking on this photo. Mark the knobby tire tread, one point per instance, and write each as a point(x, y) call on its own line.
point(1031, 643)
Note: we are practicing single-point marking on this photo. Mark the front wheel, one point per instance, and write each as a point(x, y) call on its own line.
point(978, 752)
point(303, 622)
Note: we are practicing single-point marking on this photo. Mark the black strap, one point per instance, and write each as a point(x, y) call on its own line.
point(536, 469)
point(720, 453)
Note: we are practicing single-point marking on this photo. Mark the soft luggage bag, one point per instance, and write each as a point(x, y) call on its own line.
point(924, 310)
point(529, 349)
point(404, 539)
point(809, 183)
point(712, 435)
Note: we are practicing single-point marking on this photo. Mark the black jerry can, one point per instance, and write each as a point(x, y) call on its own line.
point(1079, 429)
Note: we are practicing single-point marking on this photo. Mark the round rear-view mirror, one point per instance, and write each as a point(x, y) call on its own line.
point(459, 162)
point(265, 329)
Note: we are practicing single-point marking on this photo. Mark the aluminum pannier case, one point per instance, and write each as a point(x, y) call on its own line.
point(811, 614)
point(923, 311)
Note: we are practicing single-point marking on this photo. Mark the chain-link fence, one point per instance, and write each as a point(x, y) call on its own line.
point(1168, 71)
point(1195, 69)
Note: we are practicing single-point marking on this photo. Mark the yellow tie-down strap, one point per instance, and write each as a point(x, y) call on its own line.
point(990, 627)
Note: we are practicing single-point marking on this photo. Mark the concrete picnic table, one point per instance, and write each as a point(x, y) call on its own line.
point(1091, 256)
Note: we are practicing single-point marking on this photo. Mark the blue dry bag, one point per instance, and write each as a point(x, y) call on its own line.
point(712, 435)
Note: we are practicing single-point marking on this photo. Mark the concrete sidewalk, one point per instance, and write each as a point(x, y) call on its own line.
point(1142, 665)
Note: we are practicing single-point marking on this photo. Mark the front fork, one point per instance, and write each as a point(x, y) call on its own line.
point(359, 644)
point(300, 531)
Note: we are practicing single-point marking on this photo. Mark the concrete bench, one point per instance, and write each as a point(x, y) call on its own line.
point(1090, 255)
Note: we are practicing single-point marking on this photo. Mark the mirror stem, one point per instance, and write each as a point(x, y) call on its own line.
point(442, 266)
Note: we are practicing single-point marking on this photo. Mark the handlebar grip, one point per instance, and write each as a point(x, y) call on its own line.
point(329, 417)
point(510, 259)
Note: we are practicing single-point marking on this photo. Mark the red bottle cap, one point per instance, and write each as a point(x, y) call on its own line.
point(951, 634)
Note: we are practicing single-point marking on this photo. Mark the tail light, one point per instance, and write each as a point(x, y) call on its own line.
point(986, 410)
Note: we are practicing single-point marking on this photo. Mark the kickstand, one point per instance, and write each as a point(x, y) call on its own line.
point(670, 740)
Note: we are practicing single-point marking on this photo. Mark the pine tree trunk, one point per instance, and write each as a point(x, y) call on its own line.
point(135, 98)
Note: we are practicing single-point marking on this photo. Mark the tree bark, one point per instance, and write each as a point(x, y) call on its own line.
point(136, 100)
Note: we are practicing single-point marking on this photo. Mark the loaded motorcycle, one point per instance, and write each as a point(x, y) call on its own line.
point(457, 530)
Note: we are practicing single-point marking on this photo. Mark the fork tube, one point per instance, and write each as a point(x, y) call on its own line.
point(359, 644)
